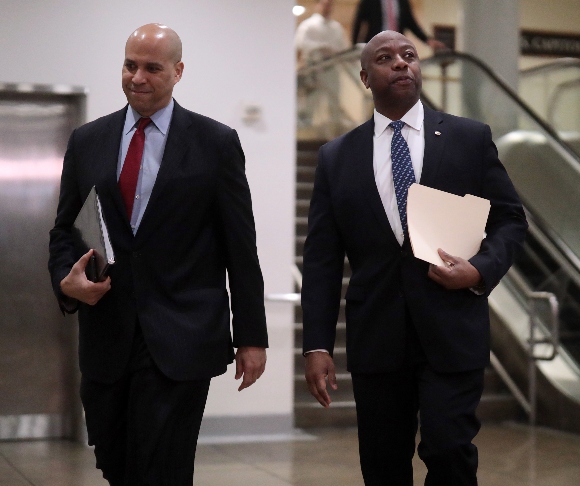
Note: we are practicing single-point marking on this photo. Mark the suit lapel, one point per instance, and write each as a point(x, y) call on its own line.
point(435, 137)
point(364, 152)
point(109, 143)
point(175, 148)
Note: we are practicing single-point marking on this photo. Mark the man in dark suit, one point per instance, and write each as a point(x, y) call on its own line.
point(155, 332)
point(374, 16)
point(417, 334)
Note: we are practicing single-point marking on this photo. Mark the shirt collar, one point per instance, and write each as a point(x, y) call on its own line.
point(161, 118)
point(414, 118)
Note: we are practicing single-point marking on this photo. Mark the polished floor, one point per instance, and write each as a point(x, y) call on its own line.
point(510, 455)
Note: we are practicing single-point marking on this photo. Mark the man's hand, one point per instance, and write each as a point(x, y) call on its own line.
point(250, 363)
point(456, 274)
point(77, 286)
point(319, 368)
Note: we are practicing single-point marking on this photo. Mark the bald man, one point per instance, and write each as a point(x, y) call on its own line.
point(153, 333)
point(417, 334)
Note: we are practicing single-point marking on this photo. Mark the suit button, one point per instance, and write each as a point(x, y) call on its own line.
point(136, 255)
point(404, 253)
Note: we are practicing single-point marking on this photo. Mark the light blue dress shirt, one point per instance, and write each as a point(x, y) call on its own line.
point(155, 139)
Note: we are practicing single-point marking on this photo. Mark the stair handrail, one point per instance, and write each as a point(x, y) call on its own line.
point(292, 297)
point(448, 57)
point(550, 336)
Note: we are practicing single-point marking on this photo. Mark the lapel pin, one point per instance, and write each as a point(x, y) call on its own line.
point(437, 133)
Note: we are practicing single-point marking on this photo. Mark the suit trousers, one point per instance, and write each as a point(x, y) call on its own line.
point(388, 405)
point(145, 426)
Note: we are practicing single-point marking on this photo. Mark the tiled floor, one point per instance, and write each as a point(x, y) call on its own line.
point(510, 455)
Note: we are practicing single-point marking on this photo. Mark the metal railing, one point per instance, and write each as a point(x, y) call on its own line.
point(291, 297)
point(540, 333)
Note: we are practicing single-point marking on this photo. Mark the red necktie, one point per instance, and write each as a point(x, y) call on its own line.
point(130, 173)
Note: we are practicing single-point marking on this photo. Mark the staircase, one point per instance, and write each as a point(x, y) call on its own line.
point(497, 404)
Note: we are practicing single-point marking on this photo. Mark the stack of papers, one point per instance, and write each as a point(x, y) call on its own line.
point(438, 219)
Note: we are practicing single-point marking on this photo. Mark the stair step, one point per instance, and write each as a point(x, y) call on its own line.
point(305, 174)
point(310, 145)
point(302, 207)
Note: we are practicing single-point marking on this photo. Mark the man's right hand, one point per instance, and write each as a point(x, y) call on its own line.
point(319, 368)
point(77, 286)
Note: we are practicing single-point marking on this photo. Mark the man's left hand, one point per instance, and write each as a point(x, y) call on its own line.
point(456, 274)
point(250, 363)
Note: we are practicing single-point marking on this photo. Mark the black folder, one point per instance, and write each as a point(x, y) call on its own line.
point(90, 232)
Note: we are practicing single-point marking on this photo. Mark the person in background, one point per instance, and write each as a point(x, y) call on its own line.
point(319, 36)
point(417, 334)
point(176, 201)
point(319, 99)
point(374, 16)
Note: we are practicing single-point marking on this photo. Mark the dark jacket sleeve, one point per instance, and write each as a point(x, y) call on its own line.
point(362, 15)
point(506, 224)
point(62, 255)
point(324, 255)
point(408, 21)
point(239, 235)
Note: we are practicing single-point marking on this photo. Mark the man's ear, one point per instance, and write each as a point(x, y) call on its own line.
point(178, 71)
point(364, 77)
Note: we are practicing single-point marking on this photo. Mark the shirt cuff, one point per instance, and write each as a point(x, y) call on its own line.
point(316, 351)
point(479, 289)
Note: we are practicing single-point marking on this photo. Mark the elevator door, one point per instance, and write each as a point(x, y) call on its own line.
point(38, 366)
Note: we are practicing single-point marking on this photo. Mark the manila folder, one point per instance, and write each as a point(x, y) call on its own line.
point(90, 232)
point(438, 219)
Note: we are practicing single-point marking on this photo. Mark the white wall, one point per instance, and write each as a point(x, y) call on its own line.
point(235, 52)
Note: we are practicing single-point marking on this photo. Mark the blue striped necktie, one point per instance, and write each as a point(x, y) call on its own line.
point(403, 174)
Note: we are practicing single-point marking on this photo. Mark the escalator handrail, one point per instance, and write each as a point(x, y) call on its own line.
point(562, 63)
point(332, 60)
point(448, 55)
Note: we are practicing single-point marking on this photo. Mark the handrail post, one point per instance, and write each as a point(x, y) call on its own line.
point(552, 339)
point(532, 377)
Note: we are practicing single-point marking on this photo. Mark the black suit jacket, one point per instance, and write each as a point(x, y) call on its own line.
point(171, 275)
point(347, 216)
point(371, 13)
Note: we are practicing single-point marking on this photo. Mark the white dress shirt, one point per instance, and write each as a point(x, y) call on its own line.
point(414, 134)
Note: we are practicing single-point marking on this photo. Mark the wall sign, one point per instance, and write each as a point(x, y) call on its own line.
point(532, 42)
point(538, 43)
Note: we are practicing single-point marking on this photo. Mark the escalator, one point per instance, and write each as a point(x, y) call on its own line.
point(552, 90)
point(539, 143)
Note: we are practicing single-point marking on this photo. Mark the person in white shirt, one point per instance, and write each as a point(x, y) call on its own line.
point(319, 37)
